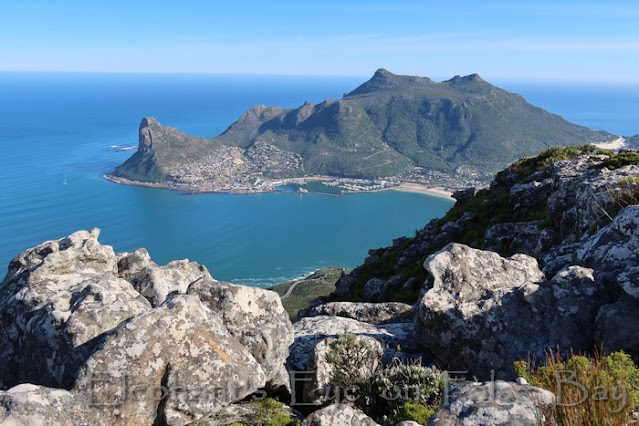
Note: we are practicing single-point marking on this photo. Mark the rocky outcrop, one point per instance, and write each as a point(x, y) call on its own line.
point(29, 404)
point(339, 415)
point(484, 312)
point(312, 330)
point(617, 327)
point(495, 403)
point(182, 348)
point(71, 318)
point(55, 299)
point(614, 251)
point(157, 282)
point(256, 318)
point(372, 313)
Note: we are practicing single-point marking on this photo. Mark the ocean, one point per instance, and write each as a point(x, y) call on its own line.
point(60, 132)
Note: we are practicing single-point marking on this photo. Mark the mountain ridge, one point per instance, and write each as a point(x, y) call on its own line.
point(389, 126)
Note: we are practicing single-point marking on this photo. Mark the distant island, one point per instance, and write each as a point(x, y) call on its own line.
point(393, 130)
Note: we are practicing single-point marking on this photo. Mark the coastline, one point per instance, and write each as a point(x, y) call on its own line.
point(422, 189)
point(402, 187)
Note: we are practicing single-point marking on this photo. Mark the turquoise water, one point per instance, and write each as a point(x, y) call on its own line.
point(56, 131)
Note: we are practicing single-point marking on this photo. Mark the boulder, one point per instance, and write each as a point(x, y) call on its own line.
point(70, 317)
point(617, 327)
point(339, 415)
point(28, 404)
point(372, 313)
point(484, 312)
point(131, 264)
point(511, 238)
point(173, 364)
point(255, 317)
point(55, 299)
point(310, 331)
point(375, 287)
point(157, 282)
point(614, 251)
point(582, 194)
point(523, 195)
point(495, 403)
point(344, 285)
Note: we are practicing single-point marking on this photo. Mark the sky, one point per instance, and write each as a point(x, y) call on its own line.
point(540, 40)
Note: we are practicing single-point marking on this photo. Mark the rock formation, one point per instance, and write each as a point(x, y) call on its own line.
point(99, 337)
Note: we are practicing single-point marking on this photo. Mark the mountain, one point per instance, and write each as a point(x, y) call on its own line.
point(388, 126)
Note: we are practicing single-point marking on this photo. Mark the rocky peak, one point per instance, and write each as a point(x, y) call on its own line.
point(146, 134)
point(466, 78)
point(386, 80)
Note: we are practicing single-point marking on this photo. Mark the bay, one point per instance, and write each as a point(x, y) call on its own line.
point(58, 132)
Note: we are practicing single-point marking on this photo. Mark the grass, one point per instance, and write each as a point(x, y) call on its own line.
point(590, 391)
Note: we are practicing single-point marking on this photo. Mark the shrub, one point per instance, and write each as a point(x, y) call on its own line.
point(389, 394)
point(270, 412)
point(589, 390)
point(352, 359)
point(394, 385)
point(415, 412)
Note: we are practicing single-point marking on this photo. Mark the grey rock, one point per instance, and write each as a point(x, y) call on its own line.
point(131, 264)
point(614, 251)
point(157, 282)
point(523, 195)
point(617, 327)
point(582, 194)
point(255, 317)
point(339, 415)
point(372, 313)
point(464, 195)
point(28, 404)
point(344, 285)
point(310, 331)
point(181, 348)
point(548, 237)
point(511, 238)
point(495, 403)
point(484, 312)
point(408, 423)
point(57, 297)
point(374, 289)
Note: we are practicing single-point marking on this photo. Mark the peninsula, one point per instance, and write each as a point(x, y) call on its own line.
point(390, 131)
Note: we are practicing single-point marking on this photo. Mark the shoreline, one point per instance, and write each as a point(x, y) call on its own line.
point(422, 189)
point(410, 187)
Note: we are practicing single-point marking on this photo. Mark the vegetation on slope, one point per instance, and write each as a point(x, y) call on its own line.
point(386, 127)
point(317, 285)
point(471, 217)
point(599, 390)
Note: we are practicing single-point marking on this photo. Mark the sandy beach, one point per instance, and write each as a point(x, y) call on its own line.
point(616, 144)
point(421, 189)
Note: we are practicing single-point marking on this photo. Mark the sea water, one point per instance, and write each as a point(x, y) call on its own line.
point(61, 132)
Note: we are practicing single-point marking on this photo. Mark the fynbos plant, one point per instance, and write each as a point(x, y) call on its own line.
point(590, 391)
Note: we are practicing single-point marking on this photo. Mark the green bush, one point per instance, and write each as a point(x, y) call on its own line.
point(351, 359)
point(392, 386)
point(270, 412)
point(415, 412)
point(390, 393)
point(601, 381)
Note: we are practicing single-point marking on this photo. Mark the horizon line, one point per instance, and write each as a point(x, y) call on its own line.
point(435, 77)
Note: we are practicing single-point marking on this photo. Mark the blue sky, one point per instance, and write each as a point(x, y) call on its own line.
point(541, 40)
